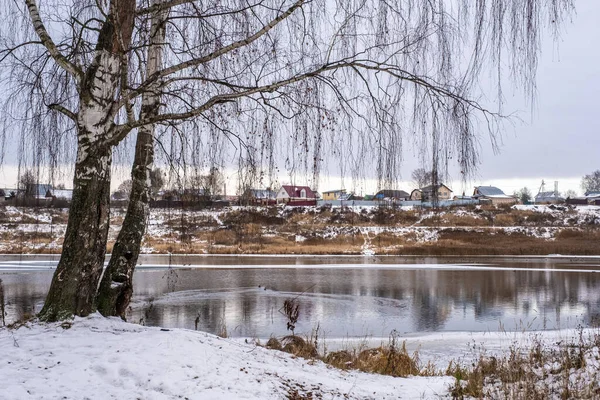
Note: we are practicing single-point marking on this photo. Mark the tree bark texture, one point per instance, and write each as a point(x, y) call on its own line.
point(116, 286)
point(75, 281)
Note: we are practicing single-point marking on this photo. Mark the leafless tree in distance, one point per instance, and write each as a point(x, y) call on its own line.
point(591, 182)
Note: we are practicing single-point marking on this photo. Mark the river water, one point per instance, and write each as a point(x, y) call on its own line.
point(345, 296)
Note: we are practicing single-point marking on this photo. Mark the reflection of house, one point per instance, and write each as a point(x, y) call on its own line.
point(549, 197)
point(258, 197)
point(334, 194)
point(492, 195)
point(427, 193)
point(392, 195)
point(296, 195)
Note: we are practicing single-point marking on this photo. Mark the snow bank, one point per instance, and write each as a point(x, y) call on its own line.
point(108, 358)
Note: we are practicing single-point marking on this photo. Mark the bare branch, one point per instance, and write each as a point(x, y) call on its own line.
point(63, 110)
point(223, 50)
point(40, 30)
point(156, 7)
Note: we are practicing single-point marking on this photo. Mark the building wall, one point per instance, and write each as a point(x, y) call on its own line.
point(282, 195)
point(415, 195)
point(503, 200)
point(444, 193)
point(331, 195)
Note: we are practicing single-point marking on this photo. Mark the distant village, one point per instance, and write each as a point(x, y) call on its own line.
point(428, 196)
point(294, 195)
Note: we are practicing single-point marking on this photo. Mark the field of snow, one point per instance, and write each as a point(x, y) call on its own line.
point(98, 358)
point(107, 358)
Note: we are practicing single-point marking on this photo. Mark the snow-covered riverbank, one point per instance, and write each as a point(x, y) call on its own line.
point(98, 358)
point(481, 230)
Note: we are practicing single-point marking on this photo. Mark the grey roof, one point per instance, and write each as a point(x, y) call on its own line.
point(429, 188)
point(66, 194)
point(548, 195)
point(346, 196)
point(263, 193)
point(592, 193)
point(389, 193)
point(488, 191)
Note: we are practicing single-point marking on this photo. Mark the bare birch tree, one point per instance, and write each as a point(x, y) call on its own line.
point(349, 78)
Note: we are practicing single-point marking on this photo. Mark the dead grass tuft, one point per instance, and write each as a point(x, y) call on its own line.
point(274, 344)
point(297, 346)
point(389, 360)
point(534, 372)
point(342, 359)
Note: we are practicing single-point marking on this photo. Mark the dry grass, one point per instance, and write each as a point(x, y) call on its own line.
point(454, 220)
point(275, 231)
point(533, 372)
point(224, 237)
point(528, 371)
point(253, 239)
point(390, 360)
point(267, 216)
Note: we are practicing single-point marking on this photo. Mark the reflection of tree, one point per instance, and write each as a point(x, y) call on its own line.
point(429, 311)
point(353, 296)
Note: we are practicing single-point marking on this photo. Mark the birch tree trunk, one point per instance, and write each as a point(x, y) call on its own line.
point(75, 281)
point(116, 286)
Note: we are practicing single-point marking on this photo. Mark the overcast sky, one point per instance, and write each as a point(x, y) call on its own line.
point(559, 140)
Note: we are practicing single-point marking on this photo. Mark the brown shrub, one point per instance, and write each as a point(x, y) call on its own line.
point(340, 359)
point(268, 216)
point(390, 216)
point(297, 346)
point(224, 237)
point(274, 344)
point(509, 219)
point(387, 361)
point(386, 239)
point(60, 218)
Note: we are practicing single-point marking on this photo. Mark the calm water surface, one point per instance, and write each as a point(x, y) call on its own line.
point(345, 296)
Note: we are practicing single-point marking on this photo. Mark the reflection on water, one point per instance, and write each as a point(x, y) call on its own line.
point(346, 301)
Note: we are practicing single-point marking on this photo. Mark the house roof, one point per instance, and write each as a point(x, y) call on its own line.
point(430, 188)
point(346, 196)
point(391, 193)
point(262, 193)
point(335, 191)
point(489, 191)
point(61, 193)
point(548, 195)
point(592, 193)
point(294, 191)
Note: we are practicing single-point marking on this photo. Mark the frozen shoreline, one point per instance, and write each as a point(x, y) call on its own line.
point(104, 358)
point(98, 357)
